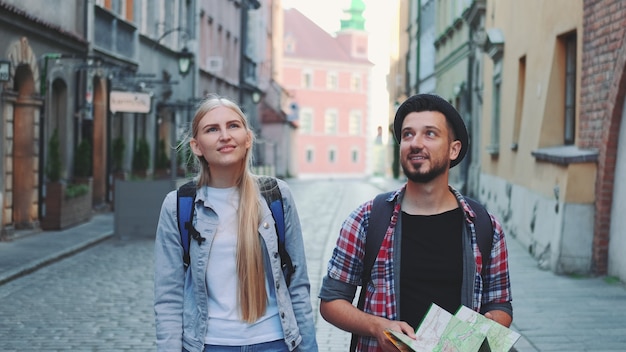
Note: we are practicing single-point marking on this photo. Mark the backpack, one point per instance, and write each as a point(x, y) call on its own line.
point(380, 215)
point(186, 196)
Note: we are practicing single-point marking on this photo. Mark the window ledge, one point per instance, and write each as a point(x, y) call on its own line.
point(565, 155)
point(493, 150)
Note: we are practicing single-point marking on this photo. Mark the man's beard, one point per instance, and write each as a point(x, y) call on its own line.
point(425, 177)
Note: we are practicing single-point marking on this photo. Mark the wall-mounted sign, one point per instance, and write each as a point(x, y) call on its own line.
point(129, 102)
point(5, 70)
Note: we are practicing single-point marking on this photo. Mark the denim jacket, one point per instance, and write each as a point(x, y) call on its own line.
point(181, 296)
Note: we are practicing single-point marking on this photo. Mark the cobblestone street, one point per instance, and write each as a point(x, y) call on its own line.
point(97, 300)
point(101, 298)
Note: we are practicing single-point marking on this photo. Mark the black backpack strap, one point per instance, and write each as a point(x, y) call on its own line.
point(270, 191)
point(380, 215)
point(484, 231)
point(186, 195)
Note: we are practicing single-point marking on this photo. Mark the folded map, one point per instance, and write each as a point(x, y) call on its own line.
point(465, 331)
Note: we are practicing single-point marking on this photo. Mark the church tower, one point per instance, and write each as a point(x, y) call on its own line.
point(352, 35)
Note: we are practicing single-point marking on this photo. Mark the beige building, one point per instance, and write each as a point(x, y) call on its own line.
point(540, 86)
point(535, 176)
point(452, 49)
point(397, 78)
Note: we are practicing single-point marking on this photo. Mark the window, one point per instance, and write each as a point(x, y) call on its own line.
point(306, 121)
point(519, 102)
point(144, 17)
point(494, 46)
point(355, 83)
point(290, 44)
point(309, 155)
point(570, 89)
point(307, 79)
point(332, 155)
point(160, 23)
point(330, 122)
point(494, 146)
point(354, 128)
point(332, 82)
point(355, 155)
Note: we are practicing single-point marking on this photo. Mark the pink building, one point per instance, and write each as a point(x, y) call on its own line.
point(327, 77)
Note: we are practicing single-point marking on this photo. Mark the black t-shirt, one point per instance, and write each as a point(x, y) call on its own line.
point(431, 264)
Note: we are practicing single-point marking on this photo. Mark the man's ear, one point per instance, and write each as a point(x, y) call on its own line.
point(455, 149)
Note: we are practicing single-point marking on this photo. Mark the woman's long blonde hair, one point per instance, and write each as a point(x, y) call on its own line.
point(250, 269)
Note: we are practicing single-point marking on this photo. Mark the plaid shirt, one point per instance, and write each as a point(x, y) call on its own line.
point(346, 265)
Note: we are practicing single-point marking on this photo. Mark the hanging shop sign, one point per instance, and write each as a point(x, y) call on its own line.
point(129, 102)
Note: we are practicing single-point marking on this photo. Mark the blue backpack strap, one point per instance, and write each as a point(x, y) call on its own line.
point(270, 191)
point(186, 195)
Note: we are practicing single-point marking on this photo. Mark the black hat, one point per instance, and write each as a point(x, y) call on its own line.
point(431, 102)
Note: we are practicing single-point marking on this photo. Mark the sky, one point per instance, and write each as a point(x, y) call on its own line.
point(379, 17)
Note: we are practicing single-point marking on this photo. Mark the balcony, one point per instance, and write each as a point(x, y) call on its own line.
point(113, 35)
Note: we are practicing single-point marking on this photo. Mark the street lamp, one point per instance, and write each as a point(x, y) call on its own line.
point(256, 97)
point(185, 58)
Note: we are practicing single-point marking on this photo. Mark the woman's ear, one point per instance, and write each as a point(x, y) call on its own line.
point(195, 148)
point(249, 140)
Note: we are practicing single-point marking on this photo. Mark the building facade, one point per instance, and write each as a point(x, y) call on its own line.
point(37, 96)
point(535, 174)
point(601, 126)
point(397, 79)
point(121, 77)
point(451, 52)
point(543, 97)
point(327, 78)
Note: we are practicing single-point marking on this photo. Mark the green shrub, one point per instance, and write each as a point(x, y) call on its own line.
point(163, 162)
point(119, 146)
point(53, 167)
point(141, 157)
point(76, 190)
point(82, 160)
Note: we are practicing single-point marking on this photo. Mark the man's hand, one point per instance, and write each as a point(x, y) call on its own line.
point(500, 317)
point(400, 326)
point(345, 316)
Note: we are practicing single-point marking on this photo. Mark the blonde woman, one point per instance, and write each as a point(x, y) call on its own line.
point(233, 295)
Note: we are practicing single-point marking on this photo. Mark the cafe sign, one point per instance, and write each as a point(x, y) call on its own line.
point(129, 102)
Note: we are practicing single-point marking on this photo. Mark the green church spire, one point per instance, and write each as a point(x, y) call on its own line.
point(355, 19)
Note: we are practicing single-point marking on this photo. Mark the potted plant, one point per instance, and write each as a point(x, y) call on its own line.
point(65, 204)
point(162, 166)
point(141, 158)
point(82, 161)
point(53, 168)
point(119, 146)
